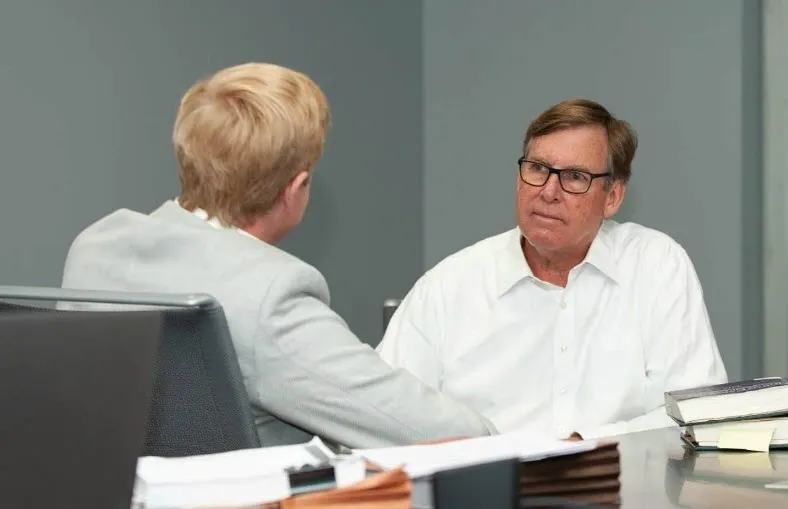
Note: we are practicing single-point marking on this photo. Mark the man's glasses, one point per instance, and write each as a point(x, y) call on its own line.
point(572, 181)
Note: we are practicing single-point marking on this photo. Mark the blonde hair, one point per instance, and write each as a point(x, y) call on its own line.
point(621, 138)
point(242, 134)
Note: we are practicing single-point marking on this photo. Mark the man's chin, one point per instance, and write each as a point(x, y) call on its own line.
point(543, 238)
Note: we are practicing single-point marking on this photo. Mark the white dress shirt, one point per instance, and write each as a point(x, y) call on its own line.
point(595, 357)
point(214, 221)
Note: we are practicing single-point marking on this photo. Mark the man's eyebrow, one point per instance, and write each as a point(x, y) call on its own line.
point(574, 167)
point(539, 160)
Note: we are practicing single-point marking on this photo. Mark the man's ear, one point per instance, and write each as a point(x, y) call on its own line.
point(299, 181)
point(615, 197)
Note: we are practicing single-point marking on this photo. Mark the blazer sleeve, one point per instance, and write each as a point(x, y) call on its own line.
point(313, 372)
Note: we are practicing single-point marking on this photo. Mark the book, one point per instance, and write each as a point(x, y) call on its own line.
point(748, 399)
point(753, 435)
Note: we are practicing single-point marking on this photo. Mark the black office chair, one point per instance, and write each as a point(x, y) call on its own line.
point(200, 404)
point(389, 308)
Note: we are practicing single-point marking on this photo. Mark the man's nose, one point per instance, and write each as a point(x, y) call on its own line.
point(552, 188)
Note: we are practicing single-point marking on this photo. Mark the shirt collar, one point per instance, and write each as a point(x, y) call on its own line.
point(600, 254)
point(511, 266)
point(214, 221)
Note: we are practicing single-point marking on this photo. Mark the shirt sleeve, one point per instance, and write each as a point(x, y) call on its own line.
point(411, 336)
point(313, 372)
point(681, 351)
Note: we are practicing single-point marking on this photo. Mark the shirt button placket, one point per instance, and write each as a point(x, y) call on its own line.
point(563, 364)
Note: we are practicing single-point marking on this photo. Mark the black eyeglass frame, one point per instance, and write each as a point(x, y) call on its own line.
point(558, 173)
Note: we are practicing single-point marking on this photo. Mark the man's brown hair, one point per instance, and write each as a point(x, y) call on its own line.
point(622, 140)
point(242, 134)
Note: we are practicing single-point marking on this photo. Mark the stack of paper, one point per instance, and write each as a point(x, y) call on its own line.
point(424, 460)
point(233, 479)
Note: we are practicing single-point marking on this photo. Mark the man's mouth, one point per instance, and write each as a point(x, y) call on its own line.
point(547, 217)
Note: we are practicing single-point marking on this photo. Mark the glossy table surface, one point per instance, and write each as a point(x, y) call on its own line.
point(659, 471)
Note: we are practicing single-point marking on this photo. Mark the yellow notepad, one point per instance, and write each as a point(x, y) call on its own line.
point(746, 439)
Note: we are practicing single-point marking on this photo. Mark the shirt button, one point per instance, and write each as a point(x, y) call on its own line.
point(563, 305)
point(563, 391)
point(563, 348)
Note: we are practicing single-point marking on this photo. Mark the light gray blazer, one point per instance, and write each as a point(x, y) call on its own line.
point(301, 364)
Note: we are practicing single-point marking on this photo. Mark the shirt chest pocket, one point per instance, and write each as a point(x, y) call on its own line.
point(613, 374)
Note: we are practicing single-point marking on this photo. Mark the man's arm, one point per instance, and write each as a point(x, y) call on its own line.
point(314, 373)
point(681, 351)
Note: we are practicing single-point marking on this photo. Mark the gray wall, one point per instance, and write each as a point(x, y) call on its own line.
point(89, 92)
point(686, 74)
point(88, 96)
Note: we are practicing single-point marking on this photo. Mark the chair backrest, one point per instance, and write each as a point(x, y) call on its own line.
point(75, 391)
point(200, 404)
point(389, 308)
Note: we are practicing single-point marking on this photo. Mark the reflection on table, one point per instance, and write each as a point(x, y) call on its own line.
point(658, 470)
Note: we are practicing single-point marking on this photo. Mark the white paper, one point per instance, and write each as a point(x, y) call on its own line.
point(241, 493)
point(243, 463)
point(425, 460)
point(348, 471)
point(230, 479)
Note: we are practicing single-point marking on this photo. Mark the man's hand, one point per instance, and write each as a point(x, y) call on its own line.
point(574, 437)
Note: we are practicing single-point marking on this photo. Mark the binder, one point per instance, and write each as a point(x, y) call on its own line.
point(488, 486)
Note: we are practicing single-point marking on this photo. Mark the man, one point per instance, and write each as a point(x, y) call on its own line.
point(570, 322)
point(246, 142)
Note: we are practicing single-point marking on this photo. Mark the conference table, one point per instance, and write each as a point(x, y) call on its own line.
point(659, 471)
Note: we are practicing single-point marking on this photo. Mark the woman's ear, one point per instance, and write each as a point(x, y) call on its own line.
point(296, 184)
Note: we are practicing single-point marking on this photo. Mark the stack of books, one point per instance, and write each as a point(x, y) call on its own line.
point(591, 477)
point(751, 415)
